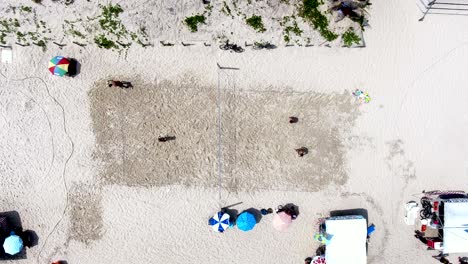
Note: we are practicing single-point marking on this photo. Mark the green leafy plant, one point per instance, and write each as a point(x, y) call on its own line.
point(41, 43)
point(309, 11)
point(349, 38)
point(290, 26)
point(104, 42)
point(256, 23)
point(26, 9)
point(2, 38)
point(109, 20)
point(193, 21)
point(226, 10)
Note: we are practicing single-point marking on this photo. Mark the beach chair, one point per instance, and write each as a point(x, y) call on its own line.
point(411, 212)
point(7, 55)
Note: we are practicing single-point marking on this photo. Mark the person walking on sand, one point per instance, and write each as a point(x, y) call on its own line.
point(166, 138)
point(302, 151)
point(293, 119)
point(119, 84)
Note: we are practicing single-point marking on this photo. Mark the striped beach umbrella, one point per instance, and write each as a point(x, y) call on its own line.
point(219, 222)
point(59, 65)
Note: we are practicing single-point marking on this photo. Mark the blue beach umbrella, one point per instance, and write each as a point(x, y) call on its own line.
point(219, 222)
point(13, 244)
point(246, 221)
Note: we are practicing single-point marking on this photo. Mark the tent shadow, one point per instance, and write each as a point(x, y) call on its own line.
point(14, 220)
point(11, 222)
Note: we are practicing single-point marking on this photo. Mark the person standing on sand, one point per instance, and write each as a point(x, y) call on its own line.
point(302, 151)
point(119, 84)
point(293, 119)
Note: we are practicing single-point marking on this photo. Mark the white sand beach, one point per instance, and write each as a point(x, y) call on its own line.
point(81, 163)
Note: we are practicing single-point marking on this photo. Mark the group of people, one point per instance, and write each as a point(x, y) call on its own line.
point(302, 150)
point(443, 259)
point(289, 209)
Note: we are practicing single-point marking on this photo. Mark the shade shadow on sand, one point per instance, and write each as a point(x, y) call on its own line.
point(258, 142)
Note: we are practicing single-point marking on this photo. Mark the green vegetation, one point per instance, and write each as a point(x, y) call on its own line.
point(208, 10)
point(109, 20)
point(193, 21)
point(77, 33)
point(289, 25)
point(37, 1)
point(104, 42)
point(41, 43)
point(309, 11)
point(256, 23)
point(2, 38)
point(26, 9)
point(226, 10)
point(349, 38)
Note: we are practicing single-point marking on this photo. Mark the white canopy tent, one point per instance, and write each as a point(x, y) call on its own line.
point(347, 241)
point(455, 226)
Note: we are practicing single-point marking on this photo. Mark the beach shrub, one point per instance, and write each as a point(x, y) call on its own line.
point(110, 19)
point(226, 10)
point(309, 11)
point(290, 25)
point(349, 38)
point(26, 9)
point(37, 1)
point(256, 23)
point(193, 21)
point(104, 42)
point(2, 38)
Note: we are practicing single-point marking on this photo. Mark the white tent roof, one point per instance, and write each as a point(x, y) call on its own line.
point(348, 240)
point(456, 226)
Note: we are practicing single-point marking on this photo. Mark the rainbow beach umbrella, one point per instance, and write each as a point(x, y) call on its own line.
point(59, 65)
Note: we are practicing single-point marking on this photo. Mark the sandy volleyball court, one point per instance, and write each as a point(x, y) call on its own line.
point(82, 165)
point(258, 142)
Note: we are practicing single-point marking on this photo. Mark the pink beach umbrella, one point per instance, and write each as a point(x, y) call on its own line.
point(281, 221)
point(319, 260)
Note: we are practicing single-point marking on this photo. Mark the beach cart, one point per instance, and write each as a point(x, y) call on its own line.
point(444, 221)
point(346, 239)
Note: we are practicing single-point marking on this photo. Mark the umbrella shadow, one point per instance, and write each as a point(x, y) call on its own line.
point(74, 68)
point(232, 214)
point(256, 213)
point(30, 238)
